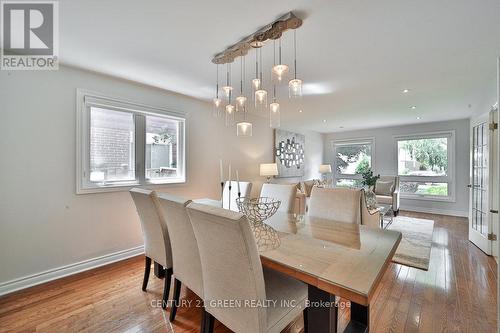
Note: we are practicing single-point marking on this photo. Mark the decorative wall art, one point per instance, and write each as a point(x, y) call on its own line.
point(289, 151)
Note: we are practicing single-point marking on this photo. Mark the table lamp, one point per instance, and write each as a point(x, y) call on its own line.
point(325, 169)
point(268, 170)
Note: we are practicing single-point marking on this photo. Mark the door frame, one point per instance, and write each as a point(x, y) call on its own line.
point(477, 238)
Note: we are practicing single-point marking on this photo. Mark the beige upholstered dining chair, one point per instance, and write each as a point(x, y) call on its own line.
point(285, 193)
point(339, 204)
point(185, 255)
point(245, 189)
point(156, 239)
point(232, 270)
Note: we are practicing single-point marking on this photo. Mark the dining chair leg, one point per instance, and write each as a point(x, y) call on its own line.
point(159, 271)
point(175, 300)
point(208, 322)
point(202, 323)
point(166, 287)
point(304, 314)
point(147, 269)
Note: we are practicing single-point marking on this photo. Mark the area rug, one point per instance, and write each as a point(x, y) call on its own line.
point(414, 250)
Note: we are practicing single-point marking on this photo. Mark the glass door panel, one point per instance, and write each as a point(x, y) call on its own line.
point(480, 179)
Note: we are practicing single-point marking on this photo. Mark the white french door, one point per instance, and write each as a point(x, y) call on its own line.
point(483, 183)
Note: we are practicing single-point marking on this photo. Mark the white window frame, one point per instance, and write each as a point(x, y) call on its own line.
point(348, 142)
point(449, 178)
point(84, 101)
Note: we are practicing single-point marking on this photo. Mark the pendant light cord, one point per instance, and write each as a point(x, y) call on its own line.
point(241, 76)
point(261, 81)
point(274, 52)
point(280, 51)
point(295, 52)
point(217, 85)
point(256, 63)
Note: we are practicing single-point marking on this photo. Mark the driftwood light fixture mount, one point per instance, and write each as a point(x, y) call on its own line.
point(257, 39)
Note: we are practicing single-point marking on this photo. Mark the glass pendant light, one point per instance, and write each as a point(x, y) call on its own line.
point(261, 94)
point(280, 69)
point(227, 88)
point(274, 112)
point(241, 99)
point(244, 129)
point(295, 84)
point(256, 80)
point(217, 101)
point(229, 112)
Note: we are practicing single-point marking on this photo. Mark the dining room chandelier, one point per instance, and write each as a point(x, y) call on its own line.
point(234, 110)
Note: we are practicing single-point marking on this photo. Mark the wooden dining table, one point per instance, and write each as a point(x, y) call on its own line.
point(346, 260)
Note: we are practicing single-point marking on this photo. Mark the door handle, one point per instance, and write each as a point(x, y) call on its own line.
point(469, 186)
point(494, 211)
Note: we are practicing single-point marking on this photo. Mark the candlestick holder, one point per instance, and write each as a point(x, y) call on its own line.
point(222, 192)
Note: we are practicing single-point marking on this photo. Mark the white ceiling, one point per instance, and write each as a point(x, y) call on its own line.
point(354, 56)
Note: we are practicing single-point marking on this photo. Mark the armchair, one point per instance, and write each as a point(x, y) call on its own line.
point(387, 192)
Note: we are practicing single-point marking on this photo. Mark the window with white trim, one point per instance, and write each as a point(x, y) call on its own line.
point(425, 166)
point(352, 158)
point(123, 144)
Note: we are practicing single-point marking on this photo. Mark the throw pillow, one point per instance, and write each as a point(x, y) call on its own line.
point(308, 185)
point(384, 188)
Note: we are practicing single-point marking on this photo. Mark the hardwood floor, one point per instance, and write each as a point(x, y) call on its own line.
point(457, 294)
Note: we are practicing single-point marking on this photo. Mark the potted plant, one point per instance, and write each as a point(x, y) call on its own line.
point(369, 180)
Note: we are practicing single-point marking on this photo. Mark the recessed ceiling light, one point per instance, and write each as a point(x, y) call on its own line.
point(324, 120)
point(413, 107)
point(418, 118)
point(405, 91)
point(300, 111)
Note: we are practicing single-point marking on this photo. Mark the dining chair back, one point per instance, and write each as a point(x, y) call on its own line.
point(339, 204)
point(229, 197)
point(285, 193)
point(185, 254)
point(156, 239)
point(154, 230)
point(231, 266)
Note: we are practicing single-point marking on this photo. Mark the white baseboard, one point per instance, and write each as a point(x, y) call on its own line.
point(57, 273)
point(435, 211)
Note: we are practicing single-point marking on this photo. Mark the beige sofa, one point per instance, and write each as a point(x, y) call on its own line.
point(387, 192)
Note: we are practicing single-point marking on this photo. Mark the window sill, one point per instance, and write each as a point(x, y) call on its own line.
point(428, 198)
point(122, 187)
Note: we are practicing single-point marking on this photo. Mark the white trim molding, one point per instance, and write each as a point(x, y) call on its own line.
point(354, 141)
point(85, 101)
point(59, 272)
point(438, 211)
point(450, 178)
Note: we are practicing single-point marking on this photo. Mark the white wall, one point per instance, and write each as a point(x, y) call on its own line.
point(385, 160)
point(43, 223)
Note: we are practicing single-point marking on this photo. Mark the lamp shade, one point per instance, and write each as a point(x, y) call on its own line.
point(269, 169)
point(325, 168)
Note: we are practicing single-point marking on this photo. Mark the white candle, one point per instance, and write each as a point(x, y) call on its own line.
point(238, 181)
point(229, 178)
point(221, 173)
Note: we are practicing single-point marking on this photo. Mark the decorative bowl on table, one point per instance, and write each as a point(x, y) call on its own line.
point(258, 210)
